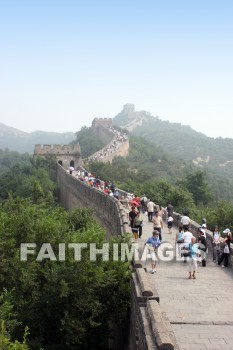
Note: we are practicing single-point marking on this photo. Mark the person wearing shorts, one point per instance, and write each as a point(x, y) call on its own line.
point(153, 243)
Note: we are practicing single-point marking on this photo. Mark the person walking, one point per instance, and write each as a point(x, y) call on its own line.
point(185, 221)
point(158, 224)
point(153, 243)
point(143, 201)
point(169, 224)
point(202, 245)
point(192, 258)
point(132, 216)
point(169, 209)
point(216, 244)
point(138, 222)
point(179, 240)
point(161, 211)
point(187, 237)
point(150, 209)
point(204, 228)
point(226, 249)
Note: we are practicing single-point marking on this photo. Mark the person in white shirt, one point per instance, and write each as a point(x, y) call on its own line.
point(204, 228)
point(150, 209)
point(187, 237)
point(185, 220)
point(158, 224)
point(216, 244)
point(169, 224)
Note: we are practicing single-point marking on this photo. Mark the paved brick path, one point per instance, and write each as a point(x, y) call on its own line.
point(201, 310)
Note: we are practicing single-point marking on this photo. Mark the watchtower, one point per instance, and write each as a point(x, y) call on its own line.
point(66, 155)
point(105, 122)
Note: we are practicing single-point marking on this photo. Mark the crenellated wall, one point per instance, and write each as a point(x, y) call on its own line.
point(57, 149)
point(106, 122)
point(66, 155)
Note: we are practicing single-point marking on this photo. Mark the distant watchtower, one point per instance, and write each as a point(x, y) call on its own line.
point(66, 155)
point(105, 122)
point(100, 127)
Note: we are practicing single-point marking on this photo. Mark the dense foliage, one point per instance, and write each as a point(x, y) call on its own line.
point(148, 170)
point(214, 156)
point(20, 177)
point(69, 304)
point(9, 158)
point(88, 142)
point(65, 304)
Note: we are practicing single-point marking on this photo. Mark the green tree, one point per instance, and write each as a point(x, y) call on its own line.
point(66, 304)
point(196, 183)
point(7, 344)
point(88, 142)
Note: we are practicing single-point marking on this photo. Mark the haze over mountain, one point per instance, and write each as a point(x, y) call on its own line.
point(179, 140)
point(22, 142)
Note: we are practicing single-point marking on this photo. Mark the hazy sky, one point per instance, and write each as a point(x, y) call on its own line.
point(62, 63)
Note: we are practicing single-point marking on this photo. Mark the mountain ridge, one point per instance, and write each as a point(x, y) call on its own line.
point(24, 142)
point(180, 140)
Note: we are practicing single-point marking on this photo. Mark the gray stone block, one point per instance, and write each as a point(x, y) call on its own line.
point(144, 282)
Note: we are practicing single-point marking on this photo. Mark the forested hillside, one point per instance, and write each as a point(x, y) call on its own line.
point(148, 162)
point(88, 142)
point(54, 304)
point(53, 298)
point(213, 155)
point(148, 169)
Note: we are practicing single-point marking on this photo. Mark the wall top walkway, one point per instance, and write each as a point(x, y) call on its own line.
point(200, 311)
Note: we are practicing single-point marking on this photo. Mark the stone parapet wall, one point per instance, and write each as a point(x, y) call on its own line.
point(121, 151)
point(150, 328)
point(145, 333)
point(103, 133)
point(100, 127)
point(74, 193)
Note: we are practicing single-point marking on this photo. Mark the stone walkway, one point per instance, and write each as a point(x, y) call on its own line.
point(201, 310)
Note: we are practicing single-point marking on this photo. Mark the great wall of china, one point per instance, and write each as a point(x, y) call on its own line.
point(149, 327)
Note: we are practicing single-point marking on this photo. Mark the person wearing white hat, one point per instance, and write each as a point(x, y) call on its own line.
point(226, 249)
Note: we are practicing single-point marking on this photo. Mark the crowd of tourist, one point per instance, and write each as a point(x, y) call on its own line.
point(108, 150)
point(188, 246)
point(191, 247)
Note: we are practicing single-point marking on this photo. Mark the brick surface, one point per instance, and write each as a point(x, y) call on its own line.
point(200, 310)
